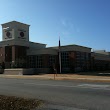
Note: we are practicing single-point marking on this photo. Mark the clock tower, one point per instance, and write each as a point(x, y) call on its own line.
point(15, 31)
point(15, 42)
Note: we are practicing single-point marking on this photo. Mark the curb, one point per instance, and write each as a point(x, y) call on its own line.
point(56, 78)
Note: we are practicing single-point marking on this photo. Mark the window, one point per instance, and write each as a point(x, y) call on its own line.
point(32, 60)
point(39, 61)
point(51, 60)
point(65, 59)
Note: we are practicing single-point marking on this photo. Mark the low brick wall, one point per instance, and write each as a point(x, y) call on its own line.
point(19, 71)
point(42, 70)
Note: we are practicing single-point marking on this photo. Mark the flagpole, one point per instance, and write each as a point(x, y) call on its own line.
point(59, 55)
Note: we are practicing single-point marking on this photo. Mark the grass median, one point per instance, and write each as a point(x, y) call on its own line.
point(18, 103)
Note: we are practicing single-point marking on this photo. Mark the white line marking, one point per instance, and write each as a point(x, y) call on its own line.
point(95, 85)
point(90, 86)
point(49, 85)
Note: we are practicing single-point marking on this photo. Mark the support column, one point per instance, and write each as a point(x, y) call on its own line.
point(13, 53)
point(3, 54)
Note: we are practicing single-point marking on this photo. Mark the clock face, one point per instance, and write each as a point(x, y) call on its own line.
point(8, 34)
point(22, 34)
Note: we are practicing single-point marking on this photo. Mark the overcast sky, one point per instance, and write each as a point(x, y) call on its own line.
point(80, 22)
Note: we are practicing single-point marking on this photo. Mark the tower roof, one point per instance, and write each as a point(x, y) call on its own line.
point(14, 22)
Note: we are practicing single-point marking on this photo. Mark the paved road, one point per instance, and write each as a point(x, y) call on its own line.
point(60, 95)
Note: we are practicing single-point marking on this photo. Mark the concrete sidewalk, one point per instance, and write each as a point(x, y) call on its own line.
point(61, 77)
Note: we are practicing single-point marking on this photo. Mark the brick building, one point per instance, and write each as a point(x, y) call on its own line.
point(16, 50)
point(100, 60)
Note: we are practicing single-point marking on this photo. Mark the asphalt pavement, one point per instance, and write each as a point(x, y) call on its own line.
point(60, 95)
